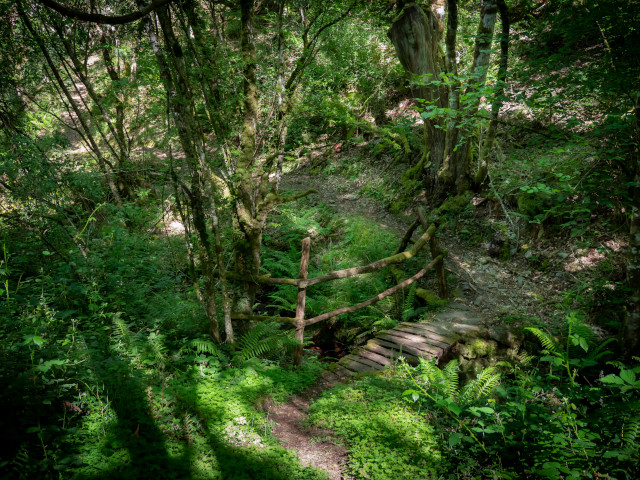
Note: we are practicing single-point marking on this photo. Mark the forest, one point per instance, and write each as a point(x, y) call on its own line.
point(302, 239)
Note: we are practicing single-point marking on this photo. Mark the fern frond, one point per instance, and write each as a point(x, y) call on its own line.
point(265, 338)
point(486, 383)
point(451, 386)
point(157, 347)
point(203, 345)
point(631, 431)
point(408, 307)
point(547, 342)
point(483, 386)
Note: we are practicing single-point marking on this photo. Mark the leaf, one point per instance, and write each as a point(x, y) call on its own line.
point(628, 376)
point(454, 439)
point(612, 378)
point(455, 409)
point(486, 410)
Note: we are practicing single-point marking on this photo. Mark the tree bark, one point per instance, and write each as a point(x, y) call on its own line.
point(415, 37)
point(630, 334)
point(485, 151)
point(455, 173)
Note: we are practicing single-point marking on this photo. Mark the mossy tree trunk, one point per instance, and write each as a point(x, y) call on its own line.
point(416, 35)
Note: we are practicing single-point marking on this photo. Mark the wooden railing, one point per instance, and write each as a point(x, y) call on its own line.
point(303, 282)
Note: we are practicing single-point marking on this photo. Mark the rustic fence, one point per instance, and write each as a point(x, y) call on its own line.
point(303, 282)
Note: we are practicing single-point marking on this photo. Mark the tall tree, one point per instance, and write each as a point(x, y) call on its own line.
point(631, 326)
point(416, 35)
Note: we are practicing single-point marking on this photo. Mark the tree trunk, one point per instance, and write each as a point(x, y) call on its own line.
point(455, 172)
point(415, 35)
point(485, 151)
point(191, 138)
point(631, 326)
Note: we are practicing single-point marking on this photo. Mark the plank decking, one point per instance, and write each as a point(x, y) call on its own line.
point(428, 340)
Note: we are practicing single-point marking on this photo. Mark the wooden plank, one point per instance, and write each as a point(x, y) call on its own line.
point(375, 347)
point(445, 334)
point(418, 341)
point(375, 357)
point(360, 358)
point(354, 366)
point(391, 343)
point(438, 328)
point(432, 338)
point(409, 336)
point(329, 376)
point(342, 372)
point(422, 347)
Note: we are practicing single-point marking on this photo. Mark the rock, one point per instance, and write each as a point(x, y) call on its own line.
point(520, 281)
point(563, 255)
point(511, 337)
point(483, 348)
point(483, 260)
point(351, 196)
point(528, 254)
point(465, 351)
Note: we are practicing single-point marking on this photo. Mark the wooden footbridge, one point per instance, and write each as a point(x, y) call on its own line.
point(429, 340)
point(410, 340)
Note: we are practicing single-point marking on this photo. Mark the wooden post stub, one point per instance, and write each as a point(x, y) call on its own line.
point(302, 297)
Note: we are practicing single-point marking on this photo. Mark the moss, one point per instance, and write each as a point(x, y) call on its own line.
point(398, 206)
point(483, 348)
point(455, 204)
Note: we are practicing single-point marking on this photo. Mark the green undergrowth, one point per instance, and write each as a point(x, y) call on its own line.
point(201, 424)
point(106, 370)
point(565, 413)
point(338, 241)
point(386, 437)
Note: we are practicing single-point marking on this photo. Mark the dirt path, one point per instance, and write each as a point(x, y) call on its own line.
point(486, 288)
point(312, 445)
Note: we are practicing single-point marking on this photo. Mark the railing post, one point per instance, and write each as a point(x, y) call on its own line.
point(302, 297)
point(434, 246)
point(440, 273)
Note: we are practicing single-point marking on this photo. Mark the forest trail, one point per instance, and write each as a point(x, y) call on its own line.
point(435, 338)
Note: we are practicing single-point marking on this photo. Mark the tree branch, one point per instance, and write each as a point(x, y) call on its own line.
point(103, 19)
point(377, 298)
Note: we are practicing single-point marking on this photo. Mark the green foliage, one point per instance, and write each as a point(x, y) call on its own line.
point(338, 243)
point(385, 439)
point(525, 423)
point(265, 339)
point(580, 350)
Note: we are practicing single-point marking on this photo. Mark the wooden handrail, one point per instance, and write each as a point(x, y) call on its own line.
point(302, 282)
point(377, 265)
point(377, 298)
point(348, 272)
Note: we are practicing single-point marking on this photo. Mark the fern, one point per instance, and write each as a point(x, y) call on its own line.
point(451, 385)
point(264, 339)
point(547, 342)
point(203, 345)
point(631, 431)
point(156, 350)
point(578, 351)
point(408, 309)
point(482, 387)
